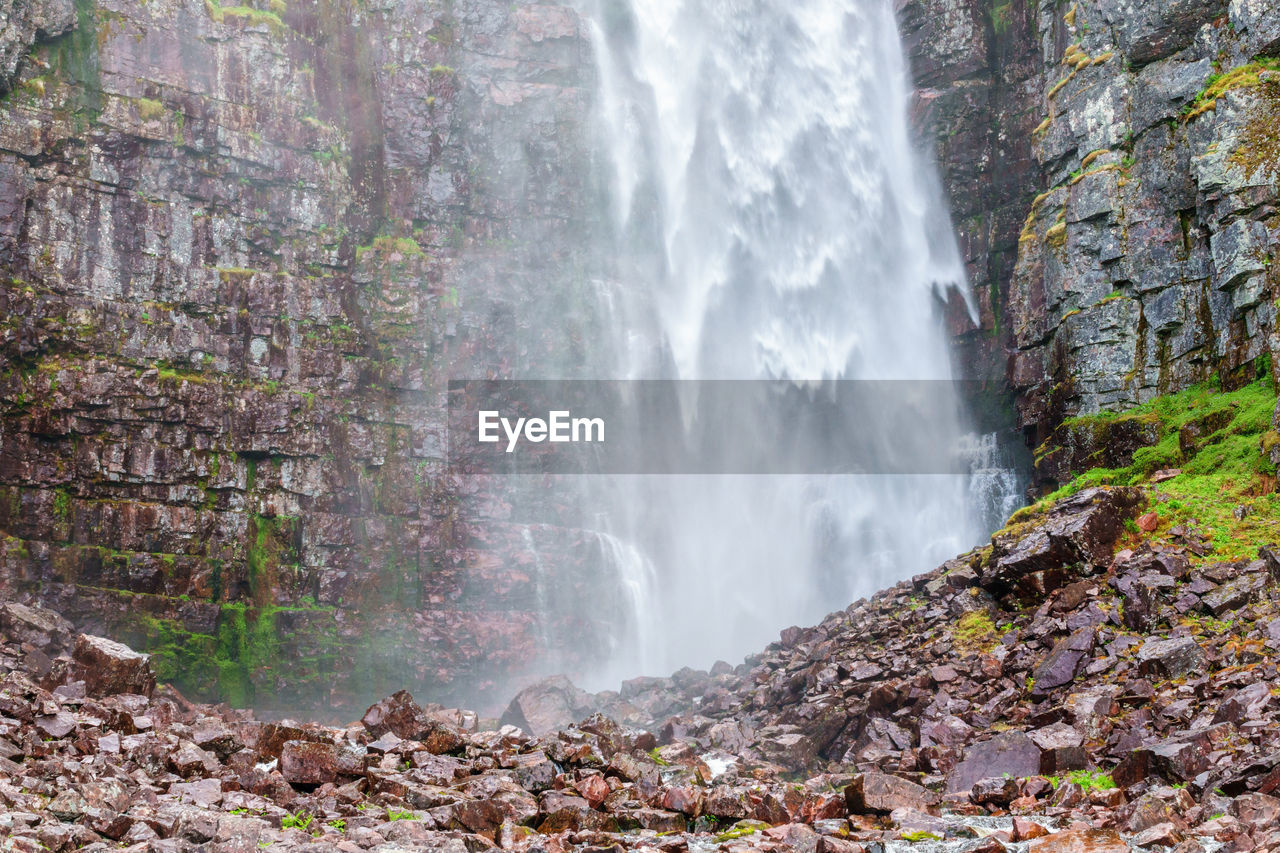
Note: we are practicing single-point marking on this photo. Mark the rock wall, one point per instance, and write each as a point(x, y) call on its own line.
point(1114, 178)
point(243, 248)
point(22, 22)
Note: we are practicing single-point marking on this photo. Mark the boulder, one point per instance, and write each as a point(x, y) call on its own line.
point(399, 715)
point(1011, 753)
point(308, 763)
point(727, 803)
point(1077, 536)
point(1061, 749)
point(594, 789)
point(1170, 658)
point(107, 667)
point(552, 704)
point(189, 760)
point(1141, 610)
point(1257, 810)
point(1234, 594)
point(792, 750)
point(684, 799)
point(1160, 835)
point(1247, 703)
point(994, 791)
point(1178, 759)
point(1025, 829)
point(1063, 663)
point(1080, 841)
point(881, 793)
point(534, 771)
point(36, 627)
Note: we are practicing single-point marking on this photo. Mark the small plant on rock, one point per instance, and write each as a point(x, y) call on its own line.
point(975, 630)
point(920, 835)
point(1089, 780)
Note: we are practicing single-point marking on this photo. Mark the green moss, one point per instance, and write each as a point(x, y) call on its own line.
point(255, 17)
point(180, 657)
point(1090, 780)
point(247, 647)
point(229, 273)
point(1225, 467)
point(656, 756)
point(149, 109)
point(386, 246)
point(75, 58)
point(1259, 143)
point(62, 506)
point(168, 372)
point(919, 835)
point(272, 554)
point(1242, 77)
point(1001, 16)
point(179, 123)
point(741, 829)
point(1056, 235)
point(975, 632)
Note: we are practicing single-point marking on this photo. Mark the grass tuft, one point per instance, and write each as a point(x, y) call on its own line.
point(1218, 440)
point(1243, 77)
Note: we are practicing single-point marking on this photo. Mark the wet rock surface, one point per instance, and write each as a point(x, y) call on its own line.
point(243, 247)
point(1111, 172)
point(908, 719)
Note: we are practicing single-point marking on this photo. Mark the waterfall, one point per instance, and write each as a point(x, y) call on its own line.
point(769, 217)
point(540, 581)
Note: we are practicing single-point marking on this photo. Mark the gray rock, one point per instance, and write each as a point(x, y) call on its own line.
point(1062, 664)
point(1170, 658)
point(22, 23)
point(1238, 253)
point(1162, 89)
point(881, 793)
point(1234, 594)
point(1257, 21)
point(1012, 753)
point(1153, 30)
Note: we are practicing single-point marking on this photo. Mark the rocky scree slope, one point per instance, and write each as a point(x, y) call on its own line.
point(1047, 691)
point(1146, 675)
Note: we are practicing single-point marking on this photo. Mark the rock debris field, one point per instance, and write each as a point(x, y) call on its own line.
point(1046, 693)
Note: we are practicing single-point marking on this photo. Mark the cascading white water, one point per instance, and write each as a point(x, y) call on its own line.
point(774, 214)
point(772, 220)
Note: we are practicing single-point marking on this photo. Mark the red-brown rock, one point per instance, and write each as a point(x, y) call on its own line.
point(881, 793)
point(1080, 841)
point(108, 667)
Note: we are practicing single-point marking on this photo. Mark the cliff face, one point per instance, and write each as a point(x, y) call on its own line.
point(1113, 172)
point(243, 249)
